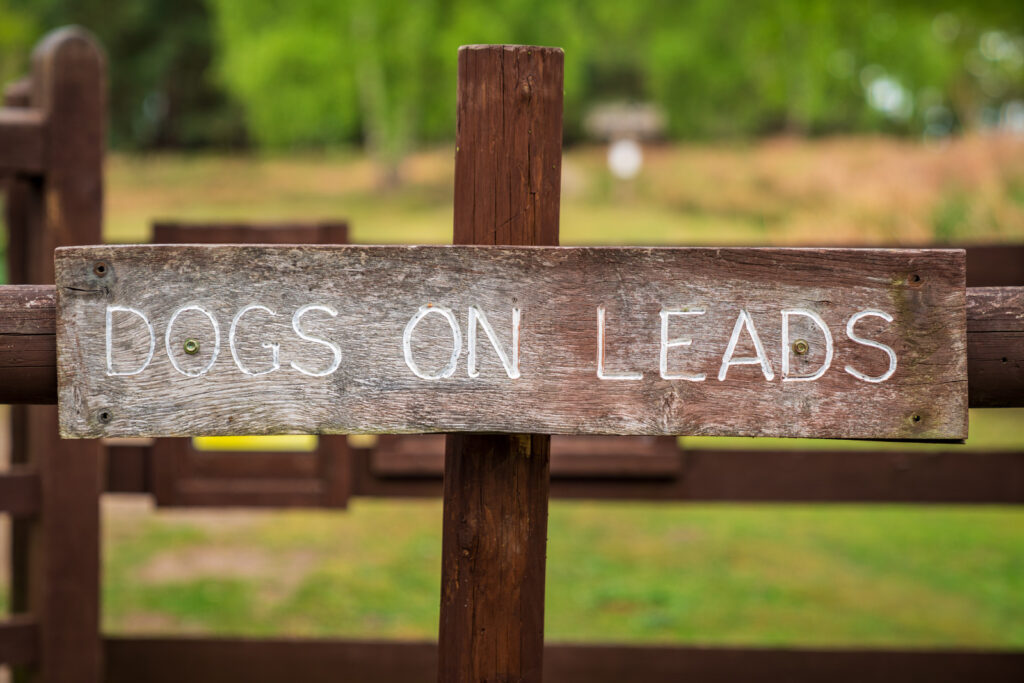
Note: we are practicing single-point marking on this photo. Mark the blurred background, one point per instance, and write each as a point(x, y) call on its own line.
point(801, 122)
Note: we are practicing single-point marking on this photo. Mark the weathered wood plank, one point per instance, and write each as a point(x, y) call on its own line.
point(998, 389)
point(28, 345)
point(383, 371)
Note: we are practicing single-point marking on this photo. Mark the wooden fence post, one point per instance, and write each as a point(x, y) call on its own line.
point(508, 162)
point(56, 556)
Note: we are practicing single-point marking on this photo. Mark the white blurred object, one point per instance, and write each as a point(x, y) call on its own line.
point(625, 157)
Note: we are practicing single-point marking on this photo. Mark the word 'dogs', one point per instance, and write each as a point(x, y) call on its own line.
point(175, 340)
point(477, 322)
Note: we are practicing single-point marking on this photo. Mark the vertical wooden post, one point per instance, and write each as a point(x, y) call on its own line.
point(56, 573)
point(508, 163)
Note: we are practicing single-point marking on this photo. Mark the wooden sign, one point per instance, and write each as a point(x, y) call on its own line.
point(193, 340)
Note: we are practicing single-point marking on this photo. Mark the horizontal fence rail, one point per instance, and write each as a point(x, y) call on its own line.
point(22, 146)
point(995, 345)
point(738, 476)
point(170, 660)
point(18, 641)
point(19, 492)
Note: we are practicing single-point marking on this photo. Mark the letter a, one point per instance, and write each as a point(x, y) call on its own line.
point(745, 321)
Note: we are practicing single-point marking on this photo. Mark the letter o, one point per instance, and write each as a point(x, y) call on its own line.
point(449, 369)
point(216, 341)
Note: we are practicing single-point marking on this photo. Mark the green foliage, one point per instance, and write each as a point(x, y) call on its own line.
point(313, 73)
point(717, 68)
point(17, 31)
point(162, 93)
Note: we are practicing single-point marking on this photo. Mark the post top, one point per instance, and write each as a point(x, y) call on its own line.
point(511, 48)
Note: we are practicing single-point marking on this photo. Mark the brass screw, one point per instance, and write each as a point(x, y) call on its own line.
point(191, 347)
point(100, 269)
point(801, 347)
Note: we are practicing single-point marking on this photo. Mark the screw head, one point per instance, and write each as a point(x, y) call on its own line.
point(801, 347)
point(191, 347)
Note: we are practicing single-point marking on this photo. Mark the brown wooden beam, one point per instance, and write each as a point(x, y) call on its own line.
point(19, 644)
point(28, 346)
point(55, 555)
point(734, 476)
point(765, 476)
point(169, 660)
point(995, 345)
point(19, 491)
point(247, 232)
point(508, 161)
point(22, 141)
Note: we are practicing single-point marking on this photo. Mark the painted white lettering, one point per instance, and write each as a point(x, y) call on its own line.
point(666, 344)
point(275, 348)
point(874, 344)
point(601, 373)
point(335, 349)
point(216, 341)
point(449, 369)
point(476, 316)
point(745, 321)
point(110, 354)
point(786, 351)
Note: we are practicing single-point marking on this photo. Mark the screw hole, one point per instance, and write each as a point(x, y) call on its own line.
point(100, 269)
point(1005, 360)
point(915, 418)
point(914, 279)
point(104, 416)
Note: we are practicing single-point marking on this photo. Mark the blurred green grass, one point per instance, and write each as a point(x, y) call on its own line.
point(637, 572)
point(778, 575)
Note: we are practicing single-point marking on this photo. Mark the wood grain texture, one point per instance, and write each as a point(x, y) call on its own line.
point(508, 168)
point(377, 290)
point(995, 388)
point(28, 346)
point(215, 660)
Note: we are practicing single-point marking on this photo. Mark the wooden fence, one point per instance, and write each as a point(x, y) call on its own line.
point(51, 150)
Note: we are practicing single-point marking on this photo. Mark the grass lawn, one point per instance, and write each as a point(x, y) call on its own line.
point(821, 575)
point(811, 575)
